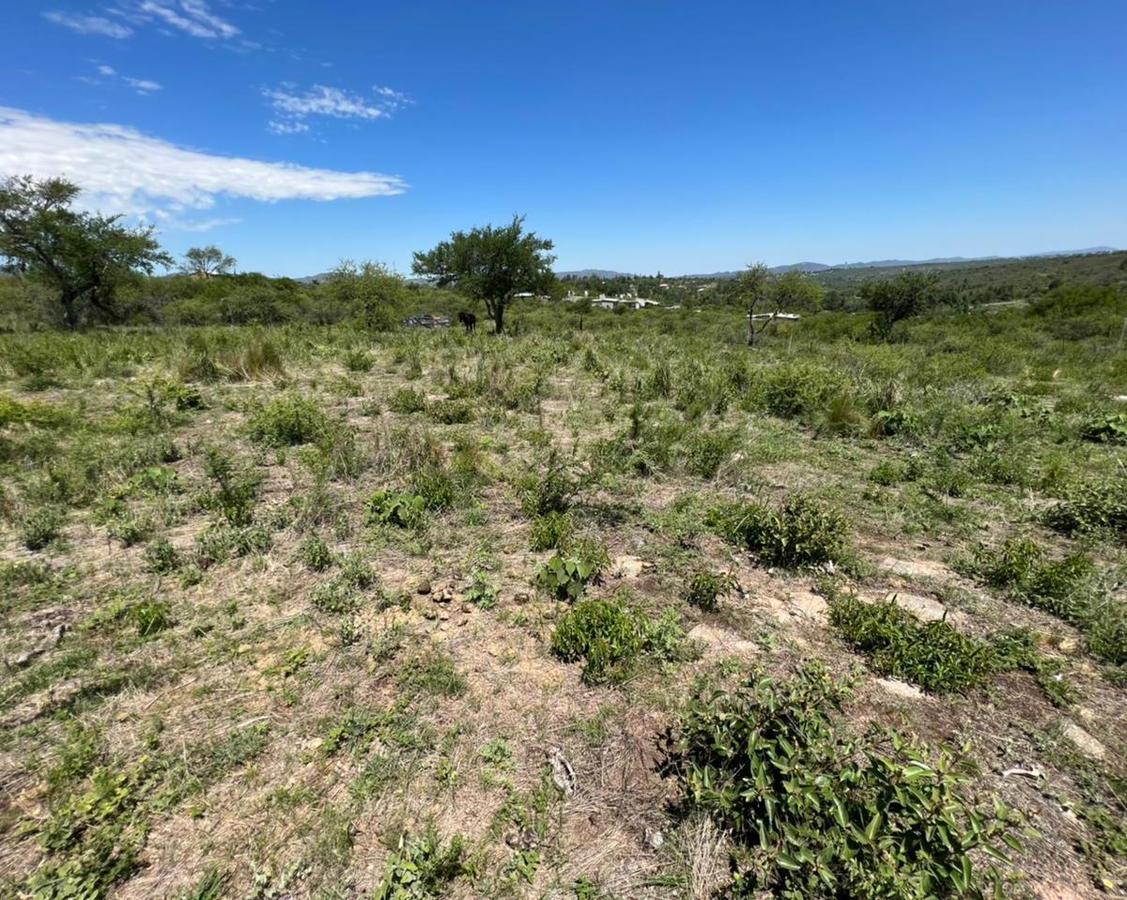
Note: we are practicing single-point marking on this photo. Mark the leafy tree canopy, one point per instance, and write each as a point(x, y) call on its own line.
point(491, 264)
point(204, 262)
point(84, 257)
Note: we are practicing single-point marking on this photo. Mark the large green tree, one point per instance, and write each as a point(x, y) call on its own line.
point(491, 264)
point(205, 262)
point(83, 257)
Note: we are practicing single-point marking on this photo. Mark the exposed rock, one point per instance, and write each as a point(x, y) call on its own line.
point(915, 568)
point(629, 566)
point(1084, 742)
point(901, 688)
point(563, 775)
point(721, 640)
point(809, 604)
point(423, 588)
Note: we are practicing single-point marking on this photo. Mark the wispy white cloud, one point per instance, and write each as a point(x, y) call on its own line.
point(193, 17)
point(287, 127)
point(88, 24)
point(292, 107)
point(120, 20)
point(143, 86)
point(196, 225)
point(122, 170)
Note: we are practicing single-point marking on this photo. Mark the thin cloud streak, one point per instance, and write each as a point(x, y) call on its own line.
point(122, 170)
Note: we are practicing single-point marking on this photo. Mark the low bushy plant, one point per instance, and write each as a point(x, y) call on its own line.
point(1096, 506)
point(288, 420)
point(398, 508)
point(818, 813)
point(1110, 428)
point(611, 638)
point(407, 400)
point(566, 575)
point(41, 526)
point(550, 531)
point(802, 531)
point(422, 867)
point(315, 553)
point(705, 589)
point(933, 655)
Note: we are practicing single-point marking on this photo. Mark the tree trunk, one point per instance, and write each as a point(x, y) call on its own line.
point(750, 329)
point(70, 310)
point(498, 310)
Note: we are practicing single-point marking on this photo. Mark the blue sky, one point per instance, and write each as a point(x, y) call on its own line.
point(640, 136)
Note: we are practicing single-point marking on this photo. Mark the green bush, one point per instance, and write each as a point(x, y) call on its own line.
point(551, 531)
point(451, 412)
point(407, 400)
point(315, 553)
point(358, 361)
point(287, 421)
point(161, 557)
point(706, 588)
point(550, 492)
point(41, 526)
point(1096, 506)
point(398, 508)
point(932, 655)
point(612, 638)
point(1065, 588)
point(1110, 428)
point(566, 575)
point(422, 867)
point(219, 543)
point(802, 531)
point(816, 812)
point(235, 489)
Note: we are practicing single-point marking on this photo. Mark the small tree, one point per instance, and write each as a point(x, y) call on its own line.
point(795, 290)
point(205, 262)
point(899, 298)
point(491, 264)
point(755, 289)
point(84, 257)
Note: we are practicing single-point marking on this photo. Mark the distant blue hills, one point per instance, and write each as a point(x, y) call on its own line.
point(872, 264)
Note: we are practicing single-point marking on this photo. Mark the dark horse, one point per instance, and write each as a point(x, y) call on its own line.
point(468, 320)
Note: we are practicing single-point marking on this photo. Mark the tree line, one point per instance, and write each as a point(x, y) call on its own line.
point(90, 269)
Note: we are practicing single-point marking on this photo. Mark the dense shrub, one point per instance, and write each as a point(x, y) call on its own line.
point(706, 588)
point(802, 531)
point(288, 420)
point(551, 531)
point(1066, 588)
point(611, 638)
point(817, 812)
point(1099, 505)
point(932, 654)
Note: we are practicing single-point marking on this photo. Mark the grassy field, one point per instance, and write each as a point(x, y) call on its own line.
point(610, 607)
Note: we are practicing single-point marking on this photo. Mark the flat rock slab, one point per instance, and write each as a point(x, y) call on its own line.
point(629, 566)
point(1084, 742)
point(721, 640)
point(916, 568)
point(901, 688)
point(925, 608)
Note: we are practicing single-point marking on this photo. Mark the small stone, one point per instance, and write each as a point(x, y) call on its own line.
point(655, 840)
point(521, 597)
point(423, 588)
point(467, 607)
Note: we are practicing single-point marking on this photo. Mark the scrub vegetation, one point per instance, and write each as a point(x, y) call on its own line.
point(298, 601)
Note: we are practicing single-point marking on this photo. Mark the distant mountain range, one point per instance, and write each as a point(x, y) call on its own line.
point(873, 264)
